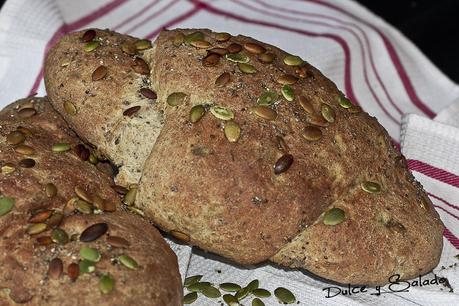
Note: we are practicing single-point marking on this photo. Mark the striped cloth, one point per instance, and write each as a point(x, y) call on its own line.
point(368, 59)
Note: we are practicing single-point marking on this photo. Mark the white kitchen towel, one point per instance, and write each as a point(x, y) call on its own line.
point(368, 59)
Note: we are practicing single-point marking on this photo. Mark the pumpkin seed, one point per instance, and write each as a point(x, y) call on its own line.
point(86, 266)
point(36, 228)
point(90, 254)
point(223, 79)
point(70, 108)
point(6, 205)
point(136, 210)
point(27, 112)
point(99, 73)
point(193, 37)
point(264, 112)
point(91, 46)
point(140, 66)
point(88, 36)
point(219, 51)
point(129, 198)
point(128, 262)
point(288, 93)
point(344, 102)
point(84, 207)
point(60, 147)
point(230, 300)
point(234, 48)
point(40, 216)
point(24, 150)
point(284, 295)
point(131, 111)
point(371, 187)
point(211, 292)
point(178, 39)
point(26, 163)
point(232, 131)
point(82, 194)
point(334, 216)
point(142, 44)
point(266, 58)
point(8, 168)
point(241, 294)
point(246, 68)
point(196, 113)
point(59, 236)
point(50, 190)
point(306, 105)
point(117, 242)
point(73, 271)
point(109, 206)
point(190, 298)
point(24, 130)
point(253, 285)
point(328, 113)
point(210, 60)
point(180, 236)
point(198, 287)
point(44, 240)
point(222, 113)
point(237, 58)
point(261, 293)
point(287, 79)
point(354, 109)
point(254, 48)
point(283, 163)
point(106, 284)
point(94, 232)
point(190, 280)
point(222, 37)
point(230, 287)
point(55, 268)
point(148, 93)
point(257, 302)
point(129, 48)
point(15, 137)
point(120, 189)
point(201, 44)
point(293, 60)
point(312, 133)
point(281, 144)
point(176, 98)
point(55, 220)
point(317, 121)
point(267, 98)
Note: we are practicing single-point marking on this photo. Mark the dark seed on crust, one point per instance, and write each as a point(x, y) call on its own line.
point(148, 93)
point(82, 152)
point(99, 73)
point(117, 242)
point(210, 60)
point(88, 36)
point(283, 163)
point(140, 66)
point(219, 51)
point(254, 48)
point(41, 216)
point(55, 268)
point(234, 48)
point(73, 271)
point(223, 79)
point(93, 232)
point(27, 112)
point(131, 111)
point(26, 163)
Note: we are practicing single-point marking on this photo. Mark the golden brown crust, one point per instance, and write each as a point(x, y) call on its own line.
point(25, 257)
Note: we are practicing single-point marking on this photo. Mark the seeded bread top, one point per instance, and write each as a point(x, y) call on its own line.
point(51, 236)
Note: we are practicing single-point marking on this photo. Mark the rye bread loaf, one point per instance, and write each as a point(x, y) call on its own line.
point(44, 222)
point(261, 157)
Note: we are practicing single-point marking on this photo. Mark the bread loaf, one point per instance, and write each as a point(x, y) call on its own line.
point(260, 157)
point(64, 239)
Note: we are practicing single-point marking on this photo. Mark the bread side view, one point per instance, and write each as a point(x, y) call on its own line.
point(260, 157)
point(64, 239)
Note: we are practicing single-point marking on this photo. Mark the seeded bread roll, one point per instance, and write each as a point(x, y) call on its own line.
point(104, 94)
point(63, 242)
point(262, 158)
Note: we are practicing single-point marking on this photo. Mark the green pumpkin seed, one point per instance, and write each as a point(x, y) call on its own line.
point(190, 298)
point(241, 294)
point(15, 137)
point(8, 168)
point(136, 211)
point(55, 219)
point(178, 39)
point(36, 228)
point(344, 102)
point(129, 198)
point(267, 98)
point(222, 113)
point(198, 287)
point(59, 236)
point(312, 133)
point(288, 93)
point(264, 112)
point(253, 285)
point(371, 187)
point(60, 147)
point(284, 295)
point(196, 113)
point(261, 293)
point(128, 262)
point(50, 190)
point(90, 254)
point(201, 44)
point(257, 302)
point(192, 280)
point(230, 287)
point(86, 266)
point(293, 60)
point(106, 284)
point(91, 46)
point(230, 300)
point(247, 68)
point(334, 216)
point(176, 98)
point(237, 58)
point(232, 131)
point(328, 113)
point(142, 44)
point(84, 207)
point(93, 159)
point(70, 108)
point(193, 37)
point(6, 205)
point(211, 292)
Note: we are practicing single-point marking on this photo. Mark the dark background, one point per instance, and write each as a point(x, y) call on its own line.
point(433, 25)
